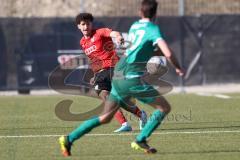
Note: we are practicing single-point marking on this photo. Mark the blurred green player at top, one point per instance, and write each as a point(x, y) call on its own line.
point(128, 80)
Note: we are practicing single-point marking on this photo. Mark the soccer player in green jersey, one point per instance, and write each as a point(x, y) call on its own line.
point(127, 81)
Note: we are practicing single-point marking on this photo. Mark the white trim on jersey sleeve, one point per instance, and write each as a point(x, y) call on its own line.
point(158, 39)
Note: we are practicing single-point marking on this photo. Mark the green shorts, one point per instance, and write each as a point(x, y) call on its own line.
point(123, 89)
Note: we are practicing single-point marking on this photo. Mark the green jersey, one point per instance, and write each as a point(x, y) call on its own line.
point(143, 35)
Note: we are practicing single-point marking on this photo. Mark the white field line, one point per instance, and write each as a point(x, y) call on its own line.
point(222, 96)
point(126, 134)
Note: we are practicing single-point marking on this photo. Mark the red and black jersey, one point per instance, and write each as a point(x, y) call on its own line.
point(100, 49)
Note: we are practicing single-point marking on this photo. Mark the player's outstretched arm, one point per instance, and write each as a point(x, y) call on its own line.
point(170, 57)
point(118, 36)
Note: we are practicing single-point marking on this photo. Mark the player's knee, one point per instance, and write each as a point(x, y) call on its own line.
point(164, 106)
point(103, 98)
point(103, 95)
point(105, 119)
point(166, 109)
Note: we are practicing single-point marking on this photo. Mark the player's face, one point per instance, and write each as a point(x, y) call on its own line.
point(85, 27)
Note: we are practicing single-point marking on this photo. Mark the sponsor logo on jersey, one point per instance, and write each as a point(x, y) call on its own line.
point(91, 49)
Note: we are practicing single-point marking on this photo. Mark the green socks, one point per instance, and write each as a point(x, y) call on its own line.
point(84, 128)
point(153, 122)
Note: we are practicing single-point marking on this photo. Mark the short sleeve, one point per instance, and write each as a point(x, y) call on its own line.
point(156, 34)
point(105, 32)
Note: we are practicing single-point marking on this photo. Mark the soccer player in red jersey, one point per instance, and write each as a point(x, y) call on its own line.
point(98, 46)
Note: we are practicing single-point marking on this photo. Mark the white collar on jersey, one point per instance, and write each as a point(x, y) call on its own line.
point(144, 20)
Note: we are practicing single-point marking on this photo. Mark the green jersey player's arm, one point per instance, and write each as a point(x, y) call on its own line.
point(169, 55)
point(158, 40)
point(164, 49)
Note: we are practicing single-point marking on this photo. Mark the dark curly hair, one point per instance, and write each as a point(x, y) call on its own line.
point(84, 17)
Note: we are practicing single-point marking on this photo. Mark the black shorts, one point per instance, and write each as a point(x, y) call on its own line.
point(102, 80)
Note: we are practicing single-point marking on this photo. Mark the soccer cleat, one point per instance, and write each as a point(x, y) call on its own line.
point(143, 146)
point(142, 120)
point(124, 128)
point(65, 146)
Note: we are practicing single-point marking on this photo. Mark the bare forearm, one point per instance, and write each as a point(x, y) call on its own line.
point(168, 54)
point(173, 60)
point(115, 34)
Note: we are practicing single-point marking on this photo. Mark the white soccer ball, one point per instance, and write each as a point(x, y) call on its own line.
point(157, 65)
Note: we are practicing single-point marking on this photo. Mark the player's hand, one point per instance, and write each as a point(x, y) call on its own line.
point(179, 72)
point(120, 40)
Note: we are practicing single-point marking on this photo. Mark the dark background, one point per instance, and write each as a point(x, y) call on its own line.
point(28, 47)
